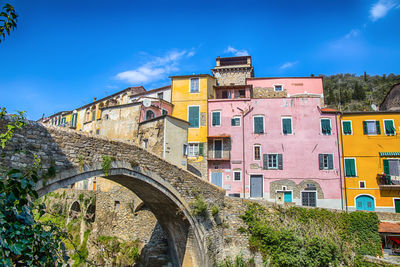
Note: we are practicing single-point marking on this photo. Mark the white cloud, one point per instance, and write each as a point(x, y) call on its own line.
point(381, 8)
point(352, 33)
point(236, 52)
point(288, 65)
point(155, 69)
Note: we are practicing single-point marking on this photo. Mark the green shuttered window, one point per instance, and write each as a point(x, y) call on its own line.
point(350, 167)
point(287, 125)
point(194, 117)
point(346, 127)
point(389, 127)
point(258, 125)
point(165, 112)
point(235, 121)
point(326, 126)
point(216, 118)
point(371, 127)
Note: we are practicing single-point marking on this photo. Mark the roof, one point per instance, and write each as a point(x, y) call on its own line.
point(388, 93)
point(369, 112)
point(110, 96)
point(219, 136)
point(232, 86)
point(232, 61)
point(152, 91)
point(193, 75)
point(328, 110)
point(162, 117)
point(389, 227)
point(274, 78)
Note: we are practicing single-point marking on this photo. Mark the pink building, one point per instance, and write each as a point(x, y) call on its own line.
point(289, 87)
point(282, 149)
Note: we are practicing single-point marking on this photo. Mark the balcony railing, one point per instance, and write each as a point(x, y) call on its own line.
point(218, 155)
point(386, 182)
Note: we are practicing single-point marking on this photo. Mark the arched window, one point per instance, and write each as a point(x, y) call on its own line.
point(87, 115)
point(150, 115)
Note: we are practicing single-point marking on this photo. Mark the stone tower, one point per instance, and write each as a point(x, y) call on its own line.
point(233, 70)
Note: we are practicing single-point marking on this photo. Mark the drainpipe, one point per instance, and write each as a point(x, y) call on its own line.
point(340, 151)
point(244, 113)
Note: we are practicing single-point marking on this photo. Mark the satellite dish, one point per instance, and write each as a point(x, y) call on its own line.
point(146, 102)
point(374, 108)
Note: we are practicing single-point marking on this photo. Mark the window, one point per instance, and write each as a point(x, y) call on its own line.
point(194, 85)
point(116, 205)
point(257, 152)
point(216, 118)
point(258, 124)
point(350, 167)
point(63, 120)
point(287, 126)
point(145, 143)
point(273, 162)
point(93, 115)
point(242, 93)
point(106, 117)
point(226, 94)
point(371, 127)
point(362, 184)
point(389, 127)
point(74, 120)
point(237, 175)
point(165, 112)
point(149, 115)
point(234, 195)
point(194, 116)
point(235, 121)
point(326, 127)
point(195, 149)
point(391, 167)
point(309, 199)
point(160, 95)
point(325, 161)
point(278, 88)
point(346, 128)
point(185, 151)
point(98, 131)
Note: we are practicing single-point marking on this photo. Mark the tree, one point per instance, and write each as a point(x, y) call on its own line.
point(24, 241)
point(359, 93)
point(8, 21)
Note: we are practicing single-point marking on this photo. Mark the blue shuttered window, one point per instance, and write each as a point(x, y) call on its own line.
point(287, 125)
point(216, 118)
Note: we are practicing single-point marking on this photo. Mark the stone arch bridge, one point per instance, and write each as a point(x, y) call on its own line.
point(166, 189)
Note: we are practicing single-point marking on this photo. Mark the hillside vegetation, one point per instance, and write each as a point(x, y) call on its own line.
point(295, 236)
point(348, 92)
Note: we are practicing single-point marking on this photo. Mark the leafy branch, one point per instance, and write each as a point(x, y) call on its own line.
point(8, 21)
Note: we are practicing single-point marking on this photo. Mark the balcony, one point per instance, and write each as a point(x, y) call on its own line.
point(386, 182)
point(219, 148)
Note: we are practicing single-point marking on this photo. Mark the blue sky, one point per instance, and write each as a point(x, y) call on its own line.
point(66, 52)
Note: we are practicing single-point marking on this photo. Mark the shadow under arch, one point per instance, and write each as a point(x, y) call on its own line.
point(185, 236)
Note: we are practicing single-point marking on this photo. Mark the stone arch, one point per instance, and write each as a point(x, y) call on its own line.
point(91, 213)
point(75, 210)
point(307, 183)
point(185, 236)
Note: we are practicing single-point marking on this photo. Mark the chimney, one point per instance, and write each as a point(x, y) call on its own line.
point(95, 98)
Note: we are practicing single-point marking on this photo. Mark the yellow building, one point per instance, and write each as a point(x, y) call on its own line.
point(371, 160)
point(189, 95)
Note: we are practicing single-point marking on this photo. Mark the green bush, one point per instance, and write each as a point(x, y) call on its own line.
point(214, 210)
point(297, 236)
point(199, 207)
